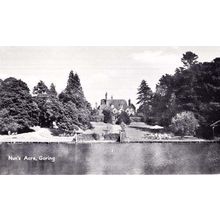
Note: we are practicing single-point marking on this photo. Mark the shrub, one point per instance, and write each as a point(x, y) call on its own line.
point(111, 136)
point(184, 123)
point(107, 116)
point(85, 137)
point(96, 136)
point(97, 118)
point(123, 117)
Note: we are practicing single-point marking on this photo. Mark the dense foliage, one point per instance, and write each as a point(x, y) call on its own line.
point(123, 118)
point(144, 100)
point(77, 109)
point(19, 111)
point(184, 123)
point(194, 87)
point(108, 116)
point(191, 94)
point(50, 108)
point(53, 91)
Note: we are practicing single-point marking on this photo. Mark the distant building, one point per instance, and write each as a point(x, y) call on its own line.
point(117, 106)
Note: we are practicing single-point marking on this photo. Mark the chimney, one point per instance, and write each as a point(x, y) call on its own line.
point(111, 97)
point(106, 96)
point(129, 102)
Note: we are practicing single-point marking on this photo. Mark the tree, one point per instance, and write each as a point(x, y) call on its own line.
point(144, 94)
point(53, 91)
point(164, 101)
point(8, 123)
point(123, 117)
point(52, 111)
point(74, 92)
point(184, 123)
point(66, 126)
point(184, 90)
point(198, 90)
point(17, 106)
point(77, 83)
point(84, 118)
point(74, 96)
point(189, 59)
point(41, 95)
point(50, 108)
point(144, 98)
point(73, 118)
point(95, 115)
point(69, 120)
point(40, 89)
point(193, 88)
point(108, 116)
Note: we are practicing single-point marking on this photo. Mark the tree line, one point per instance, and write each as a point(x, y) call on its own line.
point(20, 110)
point(186, 102)
point(193, 91)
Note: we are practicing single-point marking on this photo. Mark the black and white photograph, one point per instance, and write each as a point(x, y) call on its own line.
point(109, 110)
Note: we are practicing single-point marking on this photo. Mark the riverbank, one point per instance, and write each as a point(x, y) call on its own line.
point(69, 140)
point(44, 135)
point(113, 142)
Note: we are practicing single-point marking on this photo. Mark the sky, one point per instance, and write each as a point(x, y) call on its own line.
point(115, 70)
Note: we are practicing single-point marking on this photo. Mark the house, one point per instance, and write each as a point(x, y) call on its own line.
point(117, 106)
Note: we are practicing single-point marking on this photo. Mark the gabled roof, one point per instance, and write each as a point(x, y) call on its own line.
point(118, 103)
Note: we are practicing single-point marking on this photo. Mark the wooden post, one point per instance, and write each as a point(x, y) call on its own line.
point(122, 136)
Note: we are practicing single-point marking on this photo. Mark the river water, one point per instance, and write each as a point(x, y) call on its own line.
point(111, 158)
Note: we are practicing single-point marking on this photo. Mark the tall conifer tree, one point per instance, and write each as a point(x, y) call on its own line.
point(53, 90)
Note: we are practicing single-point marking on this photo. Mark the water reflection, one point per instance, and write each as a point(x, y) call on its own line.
point(154, 158)
point(115, 159)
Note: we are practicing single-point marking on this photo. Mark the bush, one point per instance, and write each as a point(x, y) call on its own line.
point(111, 136)
point(66, 125)
point(107, 116)
point(96, 136)
point(85, 137)
point(184, 123)
point(97, 118)
point(123, 117)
